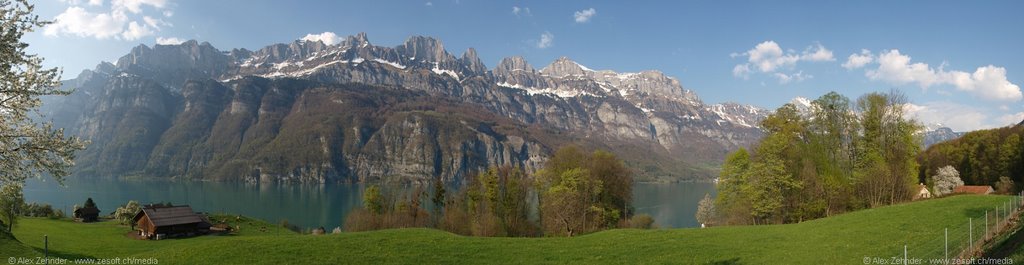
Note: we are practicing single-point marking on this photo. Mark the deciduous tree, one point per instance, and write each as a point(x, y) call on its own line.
point(706, 211)
point(946, 180)
point(27, 148)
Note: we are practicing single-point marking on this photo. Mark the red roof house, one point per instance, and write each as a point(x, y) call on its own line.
point(982, 190)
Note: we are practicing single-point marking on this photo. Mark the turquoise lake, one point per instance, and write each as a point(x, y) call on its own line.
point(306, 205)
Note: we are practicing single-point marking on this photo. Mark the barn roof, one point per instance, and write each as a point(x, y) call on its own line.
point(973, 189)
point(165, 216)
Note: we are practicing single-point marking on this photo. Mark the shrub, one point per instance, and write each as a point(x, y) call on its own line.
point(454, 220)
point(58, 214)
point(1004, 186)
point(39, 210)
point(319, 231)
point(361, 220)
point(124, 214)
point(706, 211)
point(642, 221)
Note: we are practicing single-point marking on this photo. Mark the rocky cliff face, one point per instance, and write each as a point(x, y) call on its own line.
point(307, 111)
point(937, 134)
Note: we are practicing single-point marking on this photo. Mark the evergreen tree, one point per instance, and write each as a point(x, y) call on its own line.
point(438, 198)
point(373, 200)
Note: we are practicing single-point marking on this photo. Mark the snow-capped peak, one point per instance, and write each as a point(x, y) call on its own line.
point(801, 102)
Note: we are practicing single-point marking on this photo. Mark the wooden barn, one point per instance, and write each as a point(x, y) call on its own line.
point(87, 214)
point(170, 221)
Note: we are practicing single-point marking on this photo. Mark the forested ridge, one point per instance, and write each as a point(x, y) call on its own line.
point(982, 157)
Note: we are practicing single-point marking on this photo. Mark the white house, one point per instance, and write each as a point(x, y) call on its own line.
point(922, 192)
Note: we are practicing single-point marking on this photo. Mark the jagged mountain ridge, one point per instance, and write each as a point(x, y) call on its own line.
point(633, 114)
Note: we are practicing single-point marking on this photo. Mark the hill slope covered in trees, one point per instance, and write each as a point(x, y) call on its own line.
point(982, 157)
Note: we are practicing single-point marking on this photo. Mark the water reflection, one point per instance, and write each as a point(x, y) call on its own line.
point(672, 205)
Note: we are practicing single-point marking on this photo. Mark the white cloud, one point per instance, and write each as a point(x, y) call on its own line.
point(955, 116)
point(79, 22)
point(987, 82)
point(768, 57)
point(1010, 119)
point(79, 2)
point(546, 40)
point(521, 11)
point(429, 4)
point(896, 68)
point(858, 60)
point(796, 77)
point(135, 6)
point(741, 70)
point(959, 117)
point(169, 41)
point(124, 20)
point(136, 31)
point(583, 16)
point(327, 37)
point(155, 23)
point(817, 53)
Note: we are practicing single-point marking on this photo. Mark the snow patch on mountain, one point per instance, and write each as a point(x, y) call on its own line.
point(393, 64)
point(562, 93)
point(440, 71)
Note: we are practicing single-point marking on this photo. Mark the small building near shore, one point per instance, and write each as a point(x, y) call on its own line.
point(922, 192)
point(87, 214)
point(980, 190)
point(158, 222)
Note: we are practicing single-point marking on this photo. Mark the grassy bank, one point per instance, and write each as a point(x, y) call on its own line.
point(10, 247)
point(846, 238)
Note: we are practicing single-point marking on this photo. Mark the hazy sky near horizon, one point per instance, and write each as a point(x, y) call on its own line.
point(960, 62)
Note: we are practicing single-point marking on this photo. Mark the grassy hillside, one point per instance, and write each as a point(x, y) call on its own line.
point(847, 238)
point(10, 247)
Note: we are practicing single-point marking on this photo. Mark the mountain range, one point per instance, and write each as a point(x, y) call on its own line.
point(352, 112)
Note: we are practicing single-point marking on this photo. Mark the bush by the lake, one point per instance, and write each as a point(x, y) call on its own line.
point(41, 210)
point(581, 193)
point(124, 214)
point(384, 211)
point(575, 193)
point(706, 211)
point(642, 221)
point(319, 231)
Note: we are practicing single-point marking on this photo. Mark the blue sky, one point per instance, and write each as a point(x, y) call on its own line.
point(960, 62)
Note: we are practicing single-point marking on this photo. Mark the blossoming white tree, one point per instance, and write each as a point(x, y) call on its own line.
point(946, 180)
